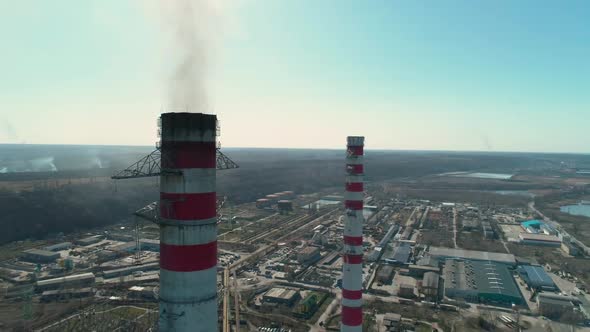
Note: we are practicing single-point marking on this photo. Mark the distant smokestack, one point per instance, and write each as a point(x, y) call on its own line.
point(352, 272)
point(188, 229)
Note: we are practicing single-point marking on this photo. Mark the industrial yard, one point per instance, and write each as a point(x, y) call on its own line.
point(455, 259)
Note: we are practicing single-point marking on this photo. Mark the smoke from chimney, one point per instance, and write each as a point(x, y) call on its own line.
point(193, 27)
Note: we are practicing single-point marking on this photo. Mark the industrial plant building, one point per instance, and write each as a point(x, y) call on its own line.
point(539, 239)
point(130, 269)
point(65, 294)
point(40, 256)
point(537, 227)
point(420, 270)
point(385, 274)
point(480, 282)
point(73, 281)
point(401, 254)
point(89, 240)
point(554, 306)
point(430, 286)
point(58, 246)
point(285, 206)
point(536, 278)
point(308, 255)
point(441, 254)
point(280, 295)
point(392, 322)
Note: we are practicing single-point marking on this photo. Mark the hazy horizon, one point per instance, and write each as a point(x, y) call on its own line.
point(501, 76)
point(299, 148)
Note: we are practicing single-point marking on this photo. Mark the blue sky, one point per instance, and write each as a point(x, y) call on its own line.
point(448, 75)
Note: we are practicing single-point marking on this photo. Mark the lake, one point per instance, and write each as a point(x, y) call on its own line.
point(515, 193)
point(479, 175)
point(577, 209)
point(497, 176)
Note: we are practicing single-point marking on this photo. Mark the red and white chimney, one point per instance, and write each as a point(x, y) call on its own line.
point(188, 223)
point(352, 272)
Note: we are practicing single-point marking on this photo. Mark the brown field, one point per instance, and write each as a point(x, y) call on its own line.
point(30, 185)
point(476, 241)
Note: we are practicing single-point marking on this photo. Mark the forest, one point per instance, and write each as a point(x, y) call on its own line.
point(45, 211)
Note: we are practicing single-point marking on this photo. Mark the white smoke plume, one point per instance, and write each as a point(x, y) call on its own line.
point(194, 27)
point(45, 164)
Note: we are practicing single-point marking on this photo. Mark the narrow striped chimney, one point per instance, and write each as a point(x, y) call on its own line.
point(352, 272)
point(188, 228)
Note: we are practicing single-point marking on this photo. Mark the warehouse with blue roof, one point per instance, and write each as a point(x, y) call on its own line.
point(536, 278)
point(537, 227)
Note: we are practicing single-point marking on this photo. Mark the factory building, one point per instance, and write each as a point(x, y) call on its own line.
point(469, 224)
point(429, 286)
point(375, 255)
point(488, 231)
point(130, 269)
point(537, 227)
point(285, 206)
point(58, 246)
point(536, 278)
point(407, 291)
point(442, 254)
point(390, 233)
point(140, 292)
point(89, 240)
point(65, 294)
point(72, 281)
point(392, 322)
point(308, 255)
point(385, 274)
point(280, 295)
point(480, 282)
point(420, 270)
point(263, 203)
point(554, 306)
point(40, 256)
point(539, 239)
point(401, 254)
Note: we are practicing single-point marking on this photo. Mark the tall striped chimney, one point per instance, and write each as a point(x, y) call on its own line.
point(188, 228)
point(352, 272)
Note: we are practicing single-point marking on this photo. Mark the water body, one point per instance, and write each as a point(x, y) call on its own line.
point(515, 193)
point(479, 175)
point(577, 209)
point(498, 176)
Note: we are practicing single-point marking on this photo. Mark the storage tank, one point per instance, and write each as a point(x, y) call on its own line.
point(262, 203)
point(285, 205)
point(272, 198)
point(288, 195)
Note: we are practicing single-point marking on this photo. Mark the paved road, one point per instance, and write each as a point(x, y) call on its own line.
point(455, 227)
point(558, 226)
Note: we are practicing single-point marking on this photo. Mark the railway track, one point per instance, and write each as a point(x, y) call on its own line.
point(300, 226)
point(284, 225)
